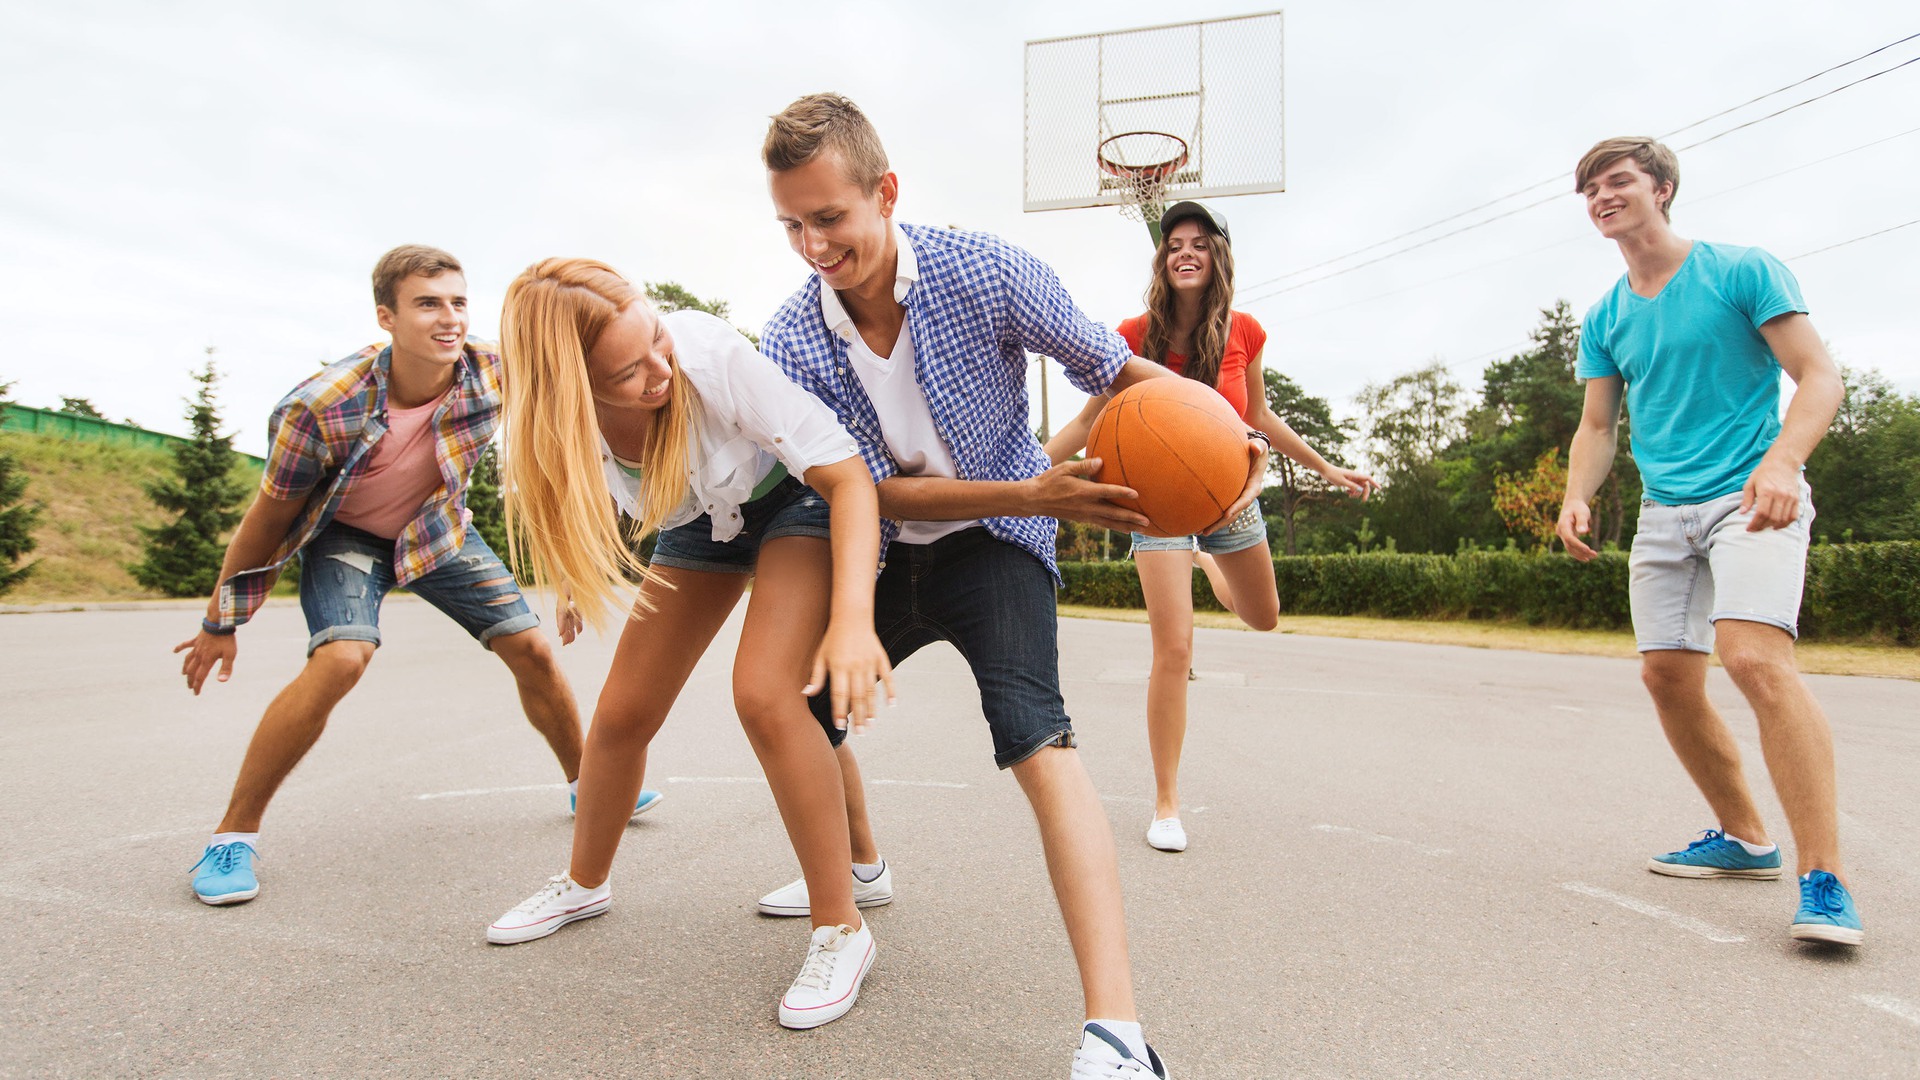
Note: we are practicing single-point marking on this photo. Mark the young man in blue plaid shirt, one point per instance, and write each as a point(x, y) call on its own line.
point(918, 338)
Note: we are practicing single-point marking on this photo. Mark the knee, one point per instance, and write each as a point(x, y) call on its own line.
point(1263, 620)
point(762, 709)
point(1668, 682)
point(341, 663)
point(1759, 673)
point(525, 653)
point(1174, 653)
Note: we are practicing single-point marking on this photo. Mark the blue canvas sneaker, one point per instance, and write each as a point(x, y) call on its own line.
point(1715, 855)
point(224, 875)
point(1826, 911)
point(648, 800)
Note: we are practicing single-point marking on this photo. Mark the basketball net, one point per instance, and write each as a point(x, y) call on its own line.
point(1142, 164)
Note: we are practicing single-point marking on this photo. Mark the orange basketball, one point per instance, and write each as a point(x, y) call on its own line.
point(1178, 443)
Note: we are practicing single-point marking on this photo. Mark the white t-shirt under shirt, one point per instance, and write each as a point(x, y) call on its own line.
point(906, 423)
point(402, 470)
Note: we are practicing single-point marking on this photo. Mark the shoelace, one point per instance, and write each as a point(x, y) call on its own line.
point(817, 972)
point(555, 886)
point(224, 858)
point(1823, 893)
point(1708, 837)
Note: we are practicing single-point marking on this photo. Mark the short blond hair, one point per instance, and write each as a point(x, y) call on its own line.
point(819, 122)
point(1650, 154)
point(405, 261)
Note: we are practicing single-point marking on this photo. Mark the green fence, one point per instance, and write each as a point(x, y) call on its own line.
point(60, 425)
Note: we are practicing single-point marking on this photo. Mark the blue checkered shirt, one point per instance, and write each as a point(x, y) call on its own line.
point(980, 305)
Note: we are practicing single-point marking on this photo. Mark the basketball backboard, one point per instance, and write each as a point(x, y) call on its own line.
point(1155, 114)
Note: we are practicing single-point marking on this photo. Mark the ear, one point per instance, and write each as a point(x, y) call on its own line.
point(1663, 197)
point(384, 315)
point(889, 194)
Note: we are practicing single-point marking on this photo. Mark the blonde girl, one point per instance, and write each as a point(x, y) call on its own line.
point(676, 420)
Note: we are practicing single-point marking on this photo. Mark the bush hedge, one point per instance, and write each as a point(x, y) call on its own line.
point(1853, 590)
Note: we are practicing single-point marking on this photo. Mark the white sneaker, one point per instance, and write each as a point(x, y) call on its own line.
point(829, 982)
point(791, 899)
point(553, 907)
point(1103, 1056)
point(1167, 834)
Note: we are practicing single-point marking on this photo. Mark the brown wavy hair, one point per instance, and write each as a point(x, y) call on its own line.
point(1216, 312)
point(561, 521)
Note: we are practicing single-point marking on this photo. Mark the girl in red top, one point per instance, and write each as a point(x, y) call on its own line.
point(1191, 327)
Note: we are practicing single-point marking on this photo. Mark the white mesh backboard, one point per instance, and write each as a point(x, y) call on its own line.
point(1215, 84)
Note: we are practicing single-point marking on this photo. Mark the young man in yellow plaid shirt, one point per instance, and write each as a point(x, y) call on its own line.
point(366, 478)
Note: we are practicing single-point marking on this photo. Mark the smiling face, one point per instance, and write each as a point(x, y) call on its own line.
point(428, 320)
point(844, 232)
point(1623, 198)
point(631, 366)
point(1189, 265)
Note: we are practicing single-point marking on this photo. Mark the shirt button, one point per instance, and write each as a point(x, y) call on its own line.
point(777, 438)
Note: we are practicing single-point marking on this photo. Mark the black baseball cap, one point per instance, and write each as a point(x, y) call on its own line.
point(1181, 211)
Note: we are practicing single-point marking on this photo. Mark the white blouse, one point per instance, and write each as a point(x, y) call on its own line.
point(750, 418)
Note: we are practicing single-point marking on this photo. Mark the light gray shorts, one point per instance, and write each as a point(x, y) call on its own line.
point(1696, 564)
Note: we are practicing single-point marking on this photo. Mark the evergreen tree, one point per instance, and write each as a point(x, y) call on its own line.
point(17, 517)
point(79, 406)
point(485, 501)
point(183, 557)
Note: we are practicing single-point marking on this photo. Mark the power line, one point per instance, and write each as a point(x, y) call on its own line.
point(1857, 239)
point(1559, 179)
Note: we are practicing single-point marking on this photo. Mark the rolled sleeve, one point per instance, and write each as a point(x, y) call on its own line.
point(1047, 321)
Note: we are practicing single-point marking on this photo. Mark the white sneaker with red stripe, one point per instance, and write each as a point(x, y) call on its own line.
point(553, 907)
point(829, 982)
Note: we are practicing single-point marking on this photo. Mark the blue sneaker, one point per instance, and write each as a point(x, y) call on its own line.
point(648, 800)
point(224, 875)
point(1714, 855)
point(1826, 911)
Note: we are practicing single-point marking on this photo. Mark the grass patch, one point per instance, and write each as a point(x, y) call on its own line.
point(95, 502)
point(1816, 658)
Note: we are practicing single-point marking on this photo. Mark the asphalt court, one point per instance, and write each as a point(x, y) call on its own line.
point(1407, 860)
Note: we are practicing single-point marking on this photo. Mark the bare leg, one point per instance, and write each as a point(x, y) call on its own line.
point(657, 652)
point(1794, 737)
point(1677, 679)
point(859, 825)
point(1222, 590)
point(1086, 876)
point(1247, 575)
point(1166, 580)
point(290, 727)
point(545, 695)
point(786, 616)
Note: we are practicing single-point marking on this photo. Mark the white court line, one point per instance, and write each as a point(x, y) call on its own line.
point(1905, 1010)
point(491, 791)
point(1569, 708)
point(1655, 911)
point(915, 783)
point(1379, 839)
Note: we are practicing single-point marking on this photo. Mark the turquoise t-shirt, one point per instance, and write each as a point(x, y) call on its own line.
point(1703, 388)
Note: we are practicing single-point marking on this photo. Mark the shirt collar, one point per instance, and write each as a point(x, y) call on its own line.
point(906, 275)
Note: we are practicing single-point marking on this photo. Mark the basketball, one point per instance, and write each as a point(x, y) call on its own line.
point(1179, 445)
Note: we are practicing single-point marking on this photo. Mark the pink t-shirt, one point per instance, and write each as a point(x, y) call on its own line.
point(401, 472)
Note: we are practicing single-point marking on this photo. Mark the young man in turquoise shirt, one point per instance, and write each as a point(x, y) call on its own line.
point(1696, 335)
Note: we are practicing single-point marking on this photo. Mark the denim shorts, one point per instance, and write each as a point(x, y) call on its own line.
point(790, 509)
point(995, 603)
point(1696, 564)
point(1241, 533)
point(346, 572)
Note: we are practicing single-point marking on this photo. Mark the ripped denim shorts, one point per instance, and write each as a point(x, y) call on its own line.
point(345, 573)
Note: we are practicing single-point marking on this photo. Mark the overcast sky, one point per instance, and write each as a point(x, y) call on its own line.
point(189, 174)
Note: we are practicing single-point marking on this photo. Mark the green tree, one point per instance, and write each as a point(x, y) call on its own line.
point(17, 517)
point(485, 500)
point(1410, 422)
point(1865, 485)
point(79, 406)
point(671, 296)
point(183, 556)
point(1295, 487)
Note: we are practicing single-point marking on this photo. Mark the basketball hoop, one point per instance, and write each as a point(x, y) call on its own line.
point(1143, 163)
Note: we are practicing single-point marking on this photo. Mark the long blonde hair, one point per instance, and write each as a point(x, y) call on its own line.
point(562, 525)
point(1216, 313)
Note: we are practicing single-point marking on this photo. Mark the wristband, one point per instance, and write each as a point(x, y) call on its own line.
point(216, 629)
point(1262, 436)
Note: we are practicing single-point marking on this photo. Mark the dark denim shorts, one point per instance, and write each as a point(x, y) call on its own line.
point(790, 509)
point(995, 602)
point(346, 572)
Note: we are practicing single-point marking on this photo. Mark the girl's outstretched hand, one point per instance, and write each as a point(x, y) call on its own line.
point(848, 664)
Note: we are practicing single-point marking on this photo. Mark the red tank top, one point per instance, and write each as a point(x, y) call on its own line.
point(1245, 339)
